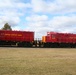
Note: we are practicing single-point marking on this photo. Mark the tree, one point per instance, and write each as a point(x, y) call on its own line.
point(7, 27)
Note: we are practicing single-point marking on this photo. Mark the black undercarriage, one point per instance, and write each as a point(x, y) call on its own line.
point(36, 44)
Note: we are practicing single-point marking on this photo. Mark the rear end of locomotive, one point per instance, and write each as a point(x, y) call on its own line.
point(16, 38)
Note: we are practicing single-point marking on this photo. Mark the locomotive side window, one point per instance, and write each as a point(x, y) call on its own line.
point(53, 36)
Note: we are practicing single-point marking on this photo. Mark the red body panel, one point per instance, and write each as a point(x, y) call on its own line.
point(20, 36)
point(60, 37)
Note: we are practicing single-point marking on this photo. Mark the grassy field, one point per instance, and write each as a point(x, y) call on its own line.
point(37, 61)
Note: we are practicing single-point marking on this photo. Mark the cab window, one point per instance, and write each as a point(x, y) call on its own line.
point(53, 36)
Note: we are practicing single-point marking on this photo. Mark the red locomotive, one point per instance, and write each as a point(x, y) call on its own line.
point(26, 39)
point(54, 39)
point(18, 38)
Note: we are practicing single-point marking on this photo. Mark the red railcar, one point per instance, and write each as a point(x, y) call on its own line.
point(59, 39)
point(19, 38)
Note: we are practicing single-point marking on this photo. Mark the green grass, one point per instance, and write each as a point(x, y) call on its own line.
point(36, 61)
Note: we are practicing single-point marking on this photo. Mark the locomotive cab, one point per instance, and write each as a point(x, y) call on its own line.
point(50, 39)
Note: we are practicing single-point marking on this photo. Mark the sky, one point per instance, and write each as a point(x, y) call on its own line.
point(39, 16)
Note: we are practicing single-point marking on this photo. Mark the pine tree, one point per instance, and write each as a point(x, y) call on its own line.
point(6, 27)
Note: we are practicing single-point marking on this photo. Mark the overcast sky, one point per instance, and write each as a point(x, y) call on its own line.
point(39, 16)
